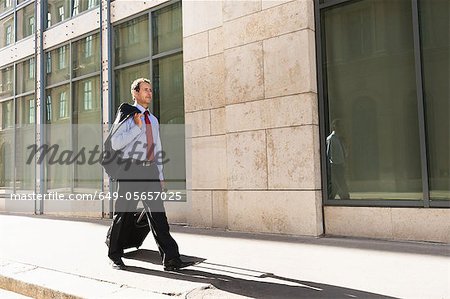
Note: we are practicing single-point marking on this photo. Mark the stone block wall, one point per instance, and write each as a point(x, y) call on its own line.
point(251, 103)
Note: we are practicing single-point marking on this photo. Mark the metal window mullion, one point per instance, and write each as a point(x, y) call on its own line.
point(28, 93)
point(321, 104)
point(110, 59)
point(14, 128)
point(39, 205)
point(35, 89)
point(150, 64)
point(132, 63)
point(440, 204)
point(15, 23)
point(321, 111)
point(167, 53)
point(420, 103)
point(86, 76)
point(375, 203)
point(71, 111)
point(58, 84)
point(332, 3)
point(23, 4)
point(7, 99)
point(101, 88)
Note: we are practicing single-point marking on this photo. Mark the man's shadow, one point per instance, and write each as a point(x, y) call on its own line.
point(255, 286)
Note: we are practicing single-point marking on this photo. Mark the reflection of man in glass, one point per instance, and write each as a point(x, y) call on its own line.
point(336, 161)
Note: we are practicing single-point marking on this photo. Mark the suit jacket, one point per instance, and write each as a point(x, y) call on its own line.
point(124, 112)
point(110, 159)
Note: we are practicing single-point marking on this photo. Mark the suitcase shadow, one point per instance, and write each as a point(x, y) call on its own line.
point(152, 256)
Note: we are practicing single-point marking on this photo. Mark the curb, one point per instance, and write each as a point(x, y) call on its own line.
point(32, 290)
point(43, 283)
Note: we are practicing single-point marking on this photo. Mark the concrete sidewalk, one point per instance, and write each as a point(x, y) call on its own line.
point(45, 257)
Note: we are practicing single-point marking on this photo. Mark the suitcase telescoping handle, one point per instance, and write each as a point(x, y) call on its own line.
point(141, 216)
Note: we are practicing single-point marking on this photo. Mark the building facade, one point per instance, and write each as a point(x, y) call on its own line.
point(301, 117)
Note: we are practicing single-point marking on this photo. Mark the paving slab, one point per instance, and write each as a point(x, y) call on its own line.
point(11, 295)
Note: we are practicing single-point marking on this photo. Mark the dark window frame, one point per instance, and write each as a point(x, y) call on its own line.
point(425, 202)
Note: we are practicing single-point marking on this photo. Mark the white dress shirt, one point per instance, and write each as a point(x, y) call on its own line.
point(132, 140)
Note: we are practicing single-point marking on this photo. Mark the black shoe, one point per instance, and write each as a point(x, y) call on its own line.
point(118, 264)
point(176, 264)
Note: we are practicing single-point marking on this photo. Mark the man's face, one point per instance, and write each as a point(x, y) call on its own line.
point(144, 95)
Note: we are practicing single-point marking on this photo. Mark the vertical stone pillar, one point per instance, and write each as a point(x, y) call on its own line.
point(204, 76)
point(251, 99)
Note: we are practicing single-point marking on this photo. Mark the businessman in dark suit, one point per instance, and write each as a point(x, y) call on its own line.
point(336, 156)
point(141, 175)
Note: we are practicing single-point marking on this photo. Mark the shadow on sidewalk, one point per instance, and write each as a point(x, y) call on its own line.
point(151, 256)
point(257, 284)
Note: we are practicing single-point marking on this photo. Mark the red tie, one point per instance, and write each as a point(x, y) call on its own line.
point(149, 134)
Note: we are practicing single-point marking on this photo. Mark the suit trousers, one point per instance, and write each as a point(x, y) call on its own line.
point(337, 183)
point(141, 183)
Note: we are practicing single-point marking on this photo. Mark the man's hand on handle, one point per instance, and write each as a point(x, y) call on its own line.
point(137, 119)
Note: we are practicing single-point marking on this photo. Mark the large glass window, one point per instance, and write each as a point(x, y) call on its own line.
point(73, 106)
point(25, 72)
point(24, 120)
point(168, 85)
point(435, 16)
point(370, 88)
point(7, 31)
point(163, 64)
point(15, 25)
point(131, 40)
point(58, 128)
point(7, 147)
point(373, 122)
point(25, 136)
point(87, 132)
point(6, 5)
point(83, 5)
point(57, 62)
point(167, 33)
point(86, 55)
point(25, 22)
point(61, 10)
point(6, 82)
point(57, 11)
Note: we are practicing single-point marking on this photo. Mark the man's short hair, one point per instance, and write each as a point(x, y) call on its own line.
point(135, 86)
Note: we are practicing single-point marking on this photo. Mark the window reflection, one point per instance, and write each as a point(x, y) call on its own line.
point(25, 22)
point(86, 55)
point(167, 28)
point(57, 64)
point(5, 5)
point(127, 36)
point(6, 147)
point(61, 10)
point(370, 88)
point(63, 107)
point(25, 136)
point(25, 74)
point(436, 62)
point(6, 82)
point(57, 11)
point(7, 31)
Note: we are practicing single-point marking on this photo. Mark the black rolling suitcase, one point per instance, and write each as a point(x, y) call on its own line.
point(139, 229)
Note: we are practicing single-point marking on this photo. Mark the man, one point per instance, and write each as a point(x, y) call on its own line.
point(336, 161)
point(138, 139)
